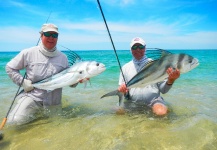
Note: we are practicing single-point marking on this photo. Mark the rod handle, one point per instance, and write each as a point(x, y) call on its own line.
point(3, 123)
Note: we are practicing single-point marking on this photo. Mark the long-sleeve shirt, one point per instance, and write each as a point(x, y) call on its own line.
point(38, 67)
point(146, 94)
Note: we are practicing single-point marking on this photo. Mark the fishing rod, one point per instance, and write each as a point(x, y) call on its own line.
point(111, 40)
point(24, 76)
point(5, 119)
point(46, 22)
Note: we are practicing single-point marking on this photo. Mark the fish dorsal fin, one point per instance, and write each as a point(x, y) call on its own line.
point(148, 63)
point(72, 56)
point(156, 53)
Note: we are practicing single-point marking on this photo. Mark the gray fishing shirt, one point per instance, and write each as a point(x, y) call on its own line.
point(146, 94)
point(38, 67)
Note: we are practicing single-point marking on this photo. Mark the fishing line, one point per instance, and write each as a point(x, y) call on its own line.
point(24, 76)
point(111, 40)
point(46, 22)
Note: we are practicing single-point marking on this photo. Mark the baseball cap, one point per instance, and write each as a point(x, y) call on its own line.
point(49, 27)
point(137, 40)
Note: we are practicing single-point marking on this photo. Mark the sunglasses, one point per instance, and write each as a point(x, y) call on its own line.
point(138, 46)
point(47, 34)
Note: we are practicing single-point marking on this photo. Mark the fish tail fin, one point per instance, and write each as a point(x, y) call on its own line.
point(113, 93)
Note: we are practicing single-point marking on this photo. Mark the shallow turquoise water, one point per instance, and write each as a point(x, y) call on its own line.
point(89, 122)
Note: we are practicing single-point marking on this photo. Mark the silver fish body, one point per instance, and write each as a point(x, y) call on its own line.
point(155, 72)
point(79, 71)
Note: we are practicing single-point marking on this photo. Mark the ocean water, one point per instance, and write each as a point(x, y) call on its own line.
point(88, 122)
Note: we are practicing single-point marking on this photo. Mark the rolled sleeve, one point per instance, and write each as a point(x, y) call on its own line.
point(164, 87)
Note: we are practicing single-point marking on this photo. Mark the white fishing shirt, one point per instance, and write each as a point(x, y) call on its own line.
point(146, 94)
point(38, 67)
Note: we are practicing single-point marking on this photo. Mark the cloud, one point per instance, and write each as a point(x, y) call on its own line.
point(159, 25)
point(27, 8)
point(187, 19)
point(155, 34)
point(154, 27)
point(17, 4)
point(119, 2)
point(76, 34)
point(18, 34)
point(194, 40)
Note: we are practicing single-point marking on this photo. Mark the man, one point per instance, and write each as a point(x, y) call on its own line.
point(149, 95)
point(40, 62)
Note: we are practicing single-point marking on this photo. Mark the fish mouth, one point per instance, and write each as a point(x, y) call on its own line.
point(195, 63)
point(101, 69)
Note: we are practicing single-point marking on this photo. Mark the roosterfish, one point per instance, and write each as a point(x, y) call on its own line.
point(155, 71)
point(83, 70)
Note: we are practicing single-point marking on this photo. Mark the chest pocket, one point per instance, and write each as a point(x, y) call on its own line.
point(37, 71)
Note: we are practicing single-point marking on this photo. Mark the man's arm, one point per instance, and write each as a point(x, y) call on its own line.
point(14, 74)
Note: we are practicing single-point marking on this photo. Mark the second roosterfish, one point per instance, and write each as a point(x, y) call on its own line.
point(79, 71)
point(155, 72)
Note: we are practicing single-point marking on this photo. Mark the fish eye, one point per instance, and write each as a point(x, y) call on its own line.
point(190, 60)
point(80, 72)
point(97, 64)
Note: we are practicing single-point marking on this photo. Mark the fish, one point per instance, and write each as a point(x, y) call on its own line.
point(155, 71)
point(83, 70)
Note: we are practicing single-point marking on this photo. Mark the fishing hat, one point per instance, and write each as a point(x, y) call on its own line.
point(49, 27)
point(137, 40)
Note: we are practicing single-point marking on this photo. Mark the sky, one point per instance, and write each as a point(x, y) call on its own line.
point(166, 24)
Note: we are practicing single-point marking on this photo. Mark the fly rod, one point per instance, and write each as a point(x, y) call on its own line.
point(5, 119)
point(111, 40)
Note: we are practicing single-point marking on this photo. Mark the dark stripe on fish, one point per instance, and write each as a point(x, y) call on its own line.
point(161, 61)
point(179, 62)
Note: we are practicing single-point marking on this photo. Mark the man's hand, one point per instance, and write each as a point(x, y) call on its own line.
point(123, 88)
point(27, 85)
point(173, 75)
